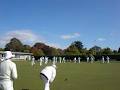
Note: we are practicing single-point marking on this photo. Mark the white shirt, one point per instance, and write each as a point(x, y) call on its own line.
point(49, 72)
point(8, 70)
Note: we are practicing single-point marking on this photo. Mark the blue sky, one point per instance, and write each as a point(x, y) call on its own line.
point(60, 22)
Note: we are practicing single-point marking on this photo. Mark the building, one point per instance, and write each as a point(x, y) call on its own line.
point(18, 55)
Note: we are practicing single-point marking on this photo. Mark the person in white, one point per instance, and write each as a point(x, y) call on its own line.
point(33, 61)
point(48, 75)
point(92, 59)
point(54, 60)
point(8, 72)
point(75, 60)
point(46, 60)
point(108, 59)
point(60, 59)
point(79, 59)
point(63, 60)
point(103, 59)
point(88, 59)
point(41, 60)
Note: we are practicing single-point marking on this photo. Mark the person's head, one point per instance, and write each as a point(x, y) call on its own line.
point(9, 55)
point(54, 66)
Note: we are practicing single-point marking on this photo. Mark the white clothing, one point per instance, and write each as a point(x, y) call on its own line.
point(48, 75)
point(49, 72)
point(33, 61)
point(108, 59)
point(79, 59)
point(46, 82)
point(103, 60)
point(6, 85)
point(40, 61)
point(8, 72)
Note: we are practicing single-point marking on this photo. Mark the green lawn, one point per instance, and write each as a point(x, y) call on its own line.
point(71, 76)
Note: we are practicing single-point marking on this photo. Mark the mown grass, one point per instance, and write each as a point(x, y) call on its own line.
point(71, 76)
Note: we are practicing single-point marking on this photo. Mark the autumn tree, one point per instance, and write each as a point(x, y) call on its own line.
point(14, 45)
point(71, 50)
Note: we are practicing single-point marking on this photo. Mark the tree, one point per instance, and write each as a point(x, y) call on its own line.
point(95, 50)
point(47, 50)
point(14, 45)
point(54, 51)
point(119, 50)
point(115, 52)
point(1, 49)
point(78, 44)
point(37, 52)
point(71, 50)
point(26, 48)
point(107, 51)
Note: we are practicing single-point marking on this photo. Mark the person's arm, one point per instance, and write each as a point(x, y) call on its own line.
point(14, 72)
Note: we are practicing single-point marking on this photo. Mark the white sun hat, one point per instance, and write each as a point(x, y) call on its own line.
point(8, 55)
point(54, 66)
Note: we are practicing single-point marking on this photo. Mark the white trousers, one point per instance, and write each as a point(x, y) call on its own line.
point(46, 82)
point(6, 85)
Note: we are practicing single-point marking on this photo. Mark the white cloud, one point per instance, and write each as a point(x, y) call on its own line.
point(70, 36)
point(26, 36)
point(55, 45)
point(101, 39)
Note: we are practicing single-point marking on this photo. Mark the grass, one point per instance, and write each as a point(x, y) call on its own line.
point(71, 76)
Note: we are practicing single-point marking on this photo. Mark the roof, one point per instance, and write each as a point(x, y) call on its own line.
point(21, 53)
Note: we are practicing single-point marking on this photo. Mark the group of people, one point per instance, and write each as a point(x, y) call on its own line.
point(8, 73)
point(55, 59)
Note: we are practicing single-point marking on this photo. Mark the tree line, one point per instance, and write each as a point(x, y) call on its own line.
point(41, 49)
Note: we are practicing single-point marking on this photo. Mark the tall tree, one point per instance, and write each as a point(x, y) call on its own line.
point(95, 50)
point(78, 44)
point(107, 51)
point(54, 51)
point(71, 50)
point(26, 48)
point(14, 45)
point(47, 50)
point(118, 50)
point(37, 52)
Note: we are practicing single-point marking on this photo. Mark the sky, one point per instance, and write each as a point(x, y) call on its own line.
point(60, 22)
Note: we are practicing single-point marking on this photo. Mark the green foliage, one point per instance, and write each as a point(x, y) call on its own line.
point(119, 50)
point(78, 44)
point(14, 45)
point(47, 50)
point(26, 48)
point(54, 51)
point(106, 51)
point(95, 50)
point(76, 48)
point(71, 50)
point(37, 52)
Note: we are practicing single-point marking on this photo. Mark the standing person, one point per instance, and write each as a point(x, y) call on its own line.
point(108, 59)
point(87, 59)
point(54, 60)
point(60, 59)
point(8, 72)
point(92, 59)
point(103, 59)
point(41, 60)
point(33, 61)
point(46, 60)
point(75, 60)
point(79, 59)
point(64, 60)
point(48, 75)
